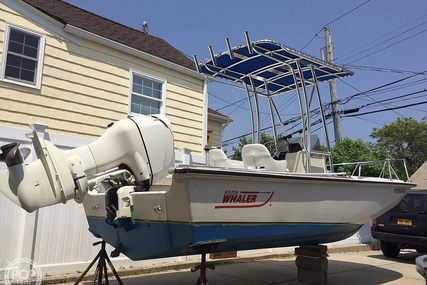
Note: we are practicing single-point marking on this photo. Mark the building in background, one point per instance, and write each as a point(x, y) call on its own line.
point(70, 73)
point(216, 124)
point(420, 178)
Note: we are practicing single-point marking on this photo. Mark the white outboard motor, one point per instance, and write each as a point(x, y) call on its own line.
point(143, 145)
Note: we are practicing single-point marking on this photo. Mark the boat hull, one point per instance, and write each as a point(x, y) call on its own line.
point(149, 240)
point(244, 210)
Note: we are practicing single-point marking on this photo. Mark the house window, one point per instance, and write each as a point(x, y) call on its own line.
point(147, 95)
point(22, 56)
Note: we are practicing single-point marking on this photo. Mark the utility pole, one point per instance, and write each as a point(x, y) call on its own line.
point(333, 87)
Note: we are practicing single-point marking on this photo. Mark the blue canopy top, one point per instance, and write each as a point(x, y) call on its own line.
point(270, 66)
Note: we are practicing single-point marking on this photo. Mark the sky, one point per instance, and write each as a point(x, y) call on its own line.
point(382, 41)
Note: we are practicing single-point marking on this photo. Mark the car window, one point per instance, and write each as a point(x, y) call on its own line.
point(412, 204)
point(418, 204)
point(403, 206)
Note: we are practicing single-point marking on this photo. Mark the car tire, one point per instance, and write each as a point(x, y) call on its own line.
point(389, 249)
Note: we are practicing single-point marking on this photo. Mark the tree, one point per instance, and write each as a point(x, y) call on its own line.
point(405, 138)
point(348, 150)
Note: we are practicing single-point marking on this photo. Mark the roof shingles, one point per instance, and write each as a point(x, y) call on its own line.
point(77, 17)
point(420, 177)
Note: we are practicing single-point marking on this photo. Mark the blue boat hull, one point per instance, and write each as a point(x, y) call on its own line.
point(148, 240)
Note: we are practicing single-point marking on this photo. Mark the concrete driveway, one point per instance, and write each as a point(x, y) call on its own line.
point(349, 268)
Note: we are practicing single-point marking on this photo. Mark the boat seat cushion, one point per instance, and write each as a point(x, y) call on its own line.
point(258, 156)
point(217, 158)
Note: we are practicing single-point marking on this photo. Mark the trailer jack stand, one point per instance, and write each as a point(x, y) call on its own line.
point(101, 267)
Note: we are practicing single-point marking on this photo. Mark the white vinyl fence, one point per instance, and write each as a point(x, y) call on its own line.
point(52, 236)
point(55, 237)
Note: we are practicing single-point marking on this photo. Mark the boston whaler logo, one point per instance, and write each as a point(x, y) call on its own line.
point(244, 199)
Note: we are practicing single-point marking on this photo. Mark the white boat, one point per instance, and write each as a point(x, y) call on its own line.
point(139, 201)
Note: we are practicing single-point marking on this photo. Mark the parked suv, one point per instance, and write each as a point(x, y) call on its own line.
point(404, 226)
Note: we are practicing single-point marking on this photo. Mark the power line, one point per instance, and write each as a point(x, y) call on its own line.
point(367, 93)
point(400, 86)
point(346, 112)
point(229, 104)
point(396, 97)
point(407, 38)
point(390, 33)
point(357, 109)
point(333, 21)
point(377, 90)
point(381, 69)
point(345, 14)
point(380, 123)
point(388, 109)
point(378, 87)
point(381, 91)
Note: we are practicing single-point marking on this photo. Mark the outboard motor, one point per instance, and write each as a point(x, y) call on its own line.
point(143, 145)
point(11, 155)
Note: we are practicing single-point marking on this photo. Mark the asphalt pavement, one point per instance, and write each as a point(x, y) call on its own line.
point(344, 267)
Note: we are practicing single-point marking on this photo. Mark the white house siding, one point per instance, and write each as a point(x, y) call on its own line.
point(185, 110)
point(216, 128)
point(79, 95)
point(85, 86)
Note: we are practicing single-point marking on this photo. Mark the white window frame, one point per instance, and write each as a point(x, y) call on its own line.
point(40, 56)
point(149, 77)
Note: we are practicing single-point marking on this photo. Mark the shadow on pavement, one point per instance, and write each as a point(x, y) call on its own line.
point(270, 272)
point(405, 256)
point(351, 273)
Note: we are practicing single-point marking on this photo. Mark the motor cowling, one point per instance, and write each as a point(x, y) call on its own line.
point(143, 145)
